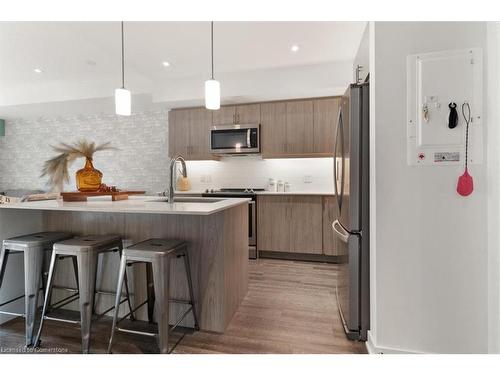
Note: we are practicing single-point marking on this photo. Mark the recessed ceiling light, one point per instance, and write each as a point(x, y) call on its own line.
point(165, 64)
point(90, 62)
point(294, 48)
point(38, 70)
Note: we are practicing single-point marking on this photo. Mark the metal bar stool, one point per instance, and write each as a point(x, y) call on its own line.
point(33, 246)
point(85, 250)
point(158, 253)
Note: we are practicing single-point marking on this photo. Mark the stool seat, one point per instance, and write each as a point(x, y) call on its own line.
point(36, 240)
point(98, 243)
point(146, 250)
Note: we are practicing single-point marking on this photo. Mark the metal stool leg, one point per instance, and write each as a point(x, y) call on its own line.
point(161, 277)
point(33, 262)
point(48, 292)
point(75, 271)
point(132, 315)
point(121, 277)
point(4, 254)
point(150, 291)
point(87, 265)
point(191, 291)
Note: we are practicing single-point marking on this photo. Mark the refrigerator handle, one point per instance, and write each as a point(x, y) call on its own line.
point(340, 232)
point(335, 160)
point(339, 137)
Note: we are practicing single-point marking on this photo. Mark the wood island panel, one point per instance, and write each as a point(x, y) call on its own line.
point(218, 250)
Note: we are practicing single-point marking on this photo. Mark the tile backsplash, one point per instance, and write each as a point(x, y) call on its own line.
point(313, 174)
point(142, 159)
point(140, 163)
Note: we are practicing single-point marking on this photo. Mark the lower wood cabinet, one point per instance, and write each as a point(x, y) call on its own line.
point(291, 224)
point(330, 213)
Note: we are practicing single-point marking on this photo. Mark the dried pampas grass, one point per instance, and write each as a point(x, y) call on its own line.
point(57, 168)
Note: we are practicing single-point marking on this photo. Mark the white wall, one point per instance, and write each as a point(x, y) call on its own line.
point(255, 173)
point(429, 246)
point(140, 163)
point(493, 142)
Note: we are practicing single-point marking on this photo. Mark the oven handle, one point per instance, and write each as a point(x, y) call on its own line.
point(254, 220)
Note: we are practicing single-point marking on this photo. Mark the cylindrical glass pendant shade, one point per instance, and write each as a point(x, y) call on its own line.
point(212, 94)
point(123, 102)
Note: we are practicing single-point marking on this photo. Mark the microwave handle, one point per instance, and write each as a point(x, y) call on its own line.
point(249, 144)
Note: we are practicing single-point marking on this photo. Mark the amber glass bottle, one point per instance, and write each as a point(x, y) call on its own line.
point(88, 179)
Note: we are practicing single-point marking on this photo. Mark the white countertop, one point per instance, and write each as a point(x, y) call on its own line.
point(295, 193)
point(199, 192)
point(135, 204)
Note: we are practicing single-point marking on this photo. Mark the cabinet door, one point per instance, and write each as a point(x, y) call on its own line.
point(299, 127)
point(248, 114)
point(224, 116)
point(306, 224)
point(178, 132)
point(330, 213)
point(273, 129)
point(325, 124)
point(199, 126)
point(273, 223)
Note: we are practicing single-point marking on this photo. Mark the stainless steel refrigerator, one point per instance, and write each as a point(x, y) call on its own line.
point(351, 228)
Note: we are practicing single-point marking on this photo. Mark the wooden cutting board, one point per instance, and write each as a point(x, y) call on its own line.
point(78, 196)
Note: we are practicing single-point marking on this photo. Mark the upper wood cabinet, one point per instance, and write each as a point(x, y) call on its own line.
point(325, 124)
point(224, 115)
point(299, 127)
point(291, 128)
point(237, 114)
point(273, 129)
point(291, 224)
point(189, 133)
point(178, 132)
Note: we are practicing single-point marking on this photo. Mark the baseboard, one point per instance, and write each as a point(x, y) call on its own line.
point(372, 348)
point(299, 256)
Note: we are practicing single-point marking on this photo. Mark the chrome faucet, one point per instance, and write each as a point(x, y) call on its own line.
point(171, 188)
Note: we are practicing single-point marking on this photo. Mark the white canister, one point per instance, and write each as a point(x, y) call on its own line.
point(287, 186)
point(271, 185)
point(280, 186)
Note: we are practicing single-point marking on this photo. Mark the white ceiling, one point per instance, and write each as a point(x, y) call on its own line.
point(63, 51)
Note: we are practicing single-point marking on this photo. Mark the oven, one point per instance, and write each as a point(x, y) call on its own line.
point(235, 139)
point(252, 212)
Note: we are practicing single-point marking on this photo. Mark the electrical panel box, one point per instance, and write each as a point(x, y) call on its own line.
point(434, 81)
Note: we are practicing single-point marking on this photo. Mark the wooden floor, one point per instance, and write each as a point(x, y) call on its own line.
point(290, 308)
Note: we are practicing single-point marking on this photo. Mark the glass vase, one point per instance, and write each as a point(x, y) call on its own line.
point(88, 179)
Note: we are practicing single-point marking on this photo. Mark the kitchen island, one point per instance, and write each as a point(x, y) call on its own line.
point(216, 231)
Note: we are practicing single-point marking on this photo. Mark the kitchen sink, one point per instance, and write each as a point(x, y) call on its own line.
point(191, 200)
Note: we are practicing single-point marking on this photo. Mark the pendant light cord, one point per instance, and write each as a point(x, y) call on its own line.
point(123, 60)
point(212, 45)
point(467, 121)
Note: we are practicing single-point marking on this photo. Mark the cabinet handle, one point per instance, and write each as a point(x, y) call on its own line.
point(234, 119)
point(237, 119)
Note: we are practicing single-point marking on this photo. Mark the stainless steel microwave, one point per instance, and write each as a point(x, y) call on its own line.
point(235, 139)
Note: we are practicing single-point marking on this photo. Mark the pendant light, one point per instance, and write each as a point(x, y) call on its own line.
point(212, 87)
point(122, 95)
